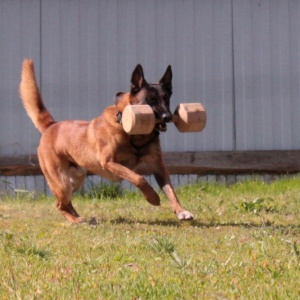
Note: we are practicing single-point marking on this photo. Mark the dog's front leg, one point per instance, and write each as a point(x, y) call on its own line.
point(139, 181)
point(163, 179)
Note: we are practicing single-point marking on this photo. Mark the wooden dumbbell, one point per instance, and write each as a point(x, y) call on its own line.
point(140, 119)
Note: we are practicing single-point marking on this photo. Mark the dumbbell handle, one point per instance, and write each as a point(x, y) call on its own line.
point(174, 119)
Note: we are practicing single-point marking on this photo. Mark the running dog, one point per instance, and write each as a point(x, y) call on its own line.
point(68, 150)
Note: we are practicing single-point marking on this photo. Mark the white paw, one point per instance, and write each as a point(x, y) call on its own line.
point(185, 215)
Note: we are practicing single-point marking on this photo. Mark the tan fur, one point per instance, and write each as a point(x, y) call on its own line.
point(69, 149)
point(32, 100)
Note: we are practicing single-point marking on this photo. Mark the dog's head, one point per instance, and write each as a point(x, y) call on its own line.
point(157, 95)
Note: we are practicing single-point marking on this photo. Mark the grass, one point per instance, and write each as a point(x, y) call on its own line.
point(243, 244)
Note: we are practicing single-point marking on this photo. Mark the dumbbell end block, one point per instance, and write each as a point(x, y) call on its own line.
point(138, 119)
point(189, 117)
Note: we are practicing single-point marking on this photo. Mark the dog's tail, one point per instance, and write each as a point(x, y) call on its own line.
point(32, 100)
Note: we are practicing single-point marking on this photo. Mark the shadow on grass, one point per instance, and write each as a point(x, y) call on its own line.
point(192, 223)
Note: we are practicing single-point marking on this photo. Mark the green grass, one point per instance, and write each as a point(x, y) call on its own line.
point(243, 244)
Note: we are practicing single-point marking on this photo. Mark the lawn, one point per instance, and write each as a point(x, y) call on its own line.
point(243, 244)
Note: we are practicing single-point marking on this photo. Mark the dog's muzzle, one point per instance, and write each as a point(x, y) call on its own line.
point(162, 124)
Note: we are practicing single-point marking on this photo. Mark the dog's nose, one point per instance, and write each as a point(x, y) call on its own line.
point(167, 117)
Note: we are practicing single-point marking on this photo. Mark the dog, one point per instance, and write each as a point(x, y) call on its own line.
point(69, 149)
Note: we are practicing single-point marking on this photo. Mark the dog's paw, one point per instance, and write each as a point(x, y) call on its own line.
point(185, 215)
point(80, 220)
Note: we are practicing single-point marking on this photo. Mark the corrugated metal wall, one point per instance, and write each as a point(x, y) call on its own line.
point(85, 52)
point(266, 36)
point(240, 58)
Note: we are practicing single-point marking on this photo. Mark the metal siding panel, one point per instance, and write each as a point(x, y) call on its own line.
point(183, 70)
point(266, 45)
point(82, 51)
point(127, 42)
point(203, 71)
point(110, 46)
point(223, 77)
point(281, 99)
point(203, 68)
point(294, 62)
point(19, 35)
point(63, 77)
point(251, 90)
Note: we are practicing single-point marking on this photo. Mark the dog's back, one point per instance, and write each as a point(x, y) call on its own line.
point(32, 99)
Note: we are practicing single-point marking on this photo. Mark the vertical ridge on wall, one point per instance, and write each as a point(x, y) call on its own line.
point(294, 63)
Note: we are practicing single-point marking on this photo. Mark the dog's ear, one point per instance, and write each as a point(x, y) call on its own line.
point(137, 79)
point(166, 80)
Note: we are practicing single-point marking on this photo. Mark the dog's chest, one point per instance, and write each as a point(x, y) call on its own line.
point(140, 151)
point(141, 143)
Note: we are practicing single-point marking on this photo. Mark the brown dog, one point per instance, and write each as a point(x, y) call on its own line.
point(69, 149)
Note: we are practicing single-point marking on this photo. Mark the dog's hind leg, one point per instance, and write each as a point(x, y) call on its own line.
point(64, 204)
point(62, 185)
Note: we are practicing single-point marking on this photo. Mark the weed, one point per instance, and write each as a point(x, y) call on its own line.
point(258, 204)
point(101, 191)
point(164, 245)
point(32, 251)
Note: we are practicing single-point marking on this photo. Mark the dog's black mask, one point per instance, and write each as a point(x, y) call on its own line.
point(157, 95)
